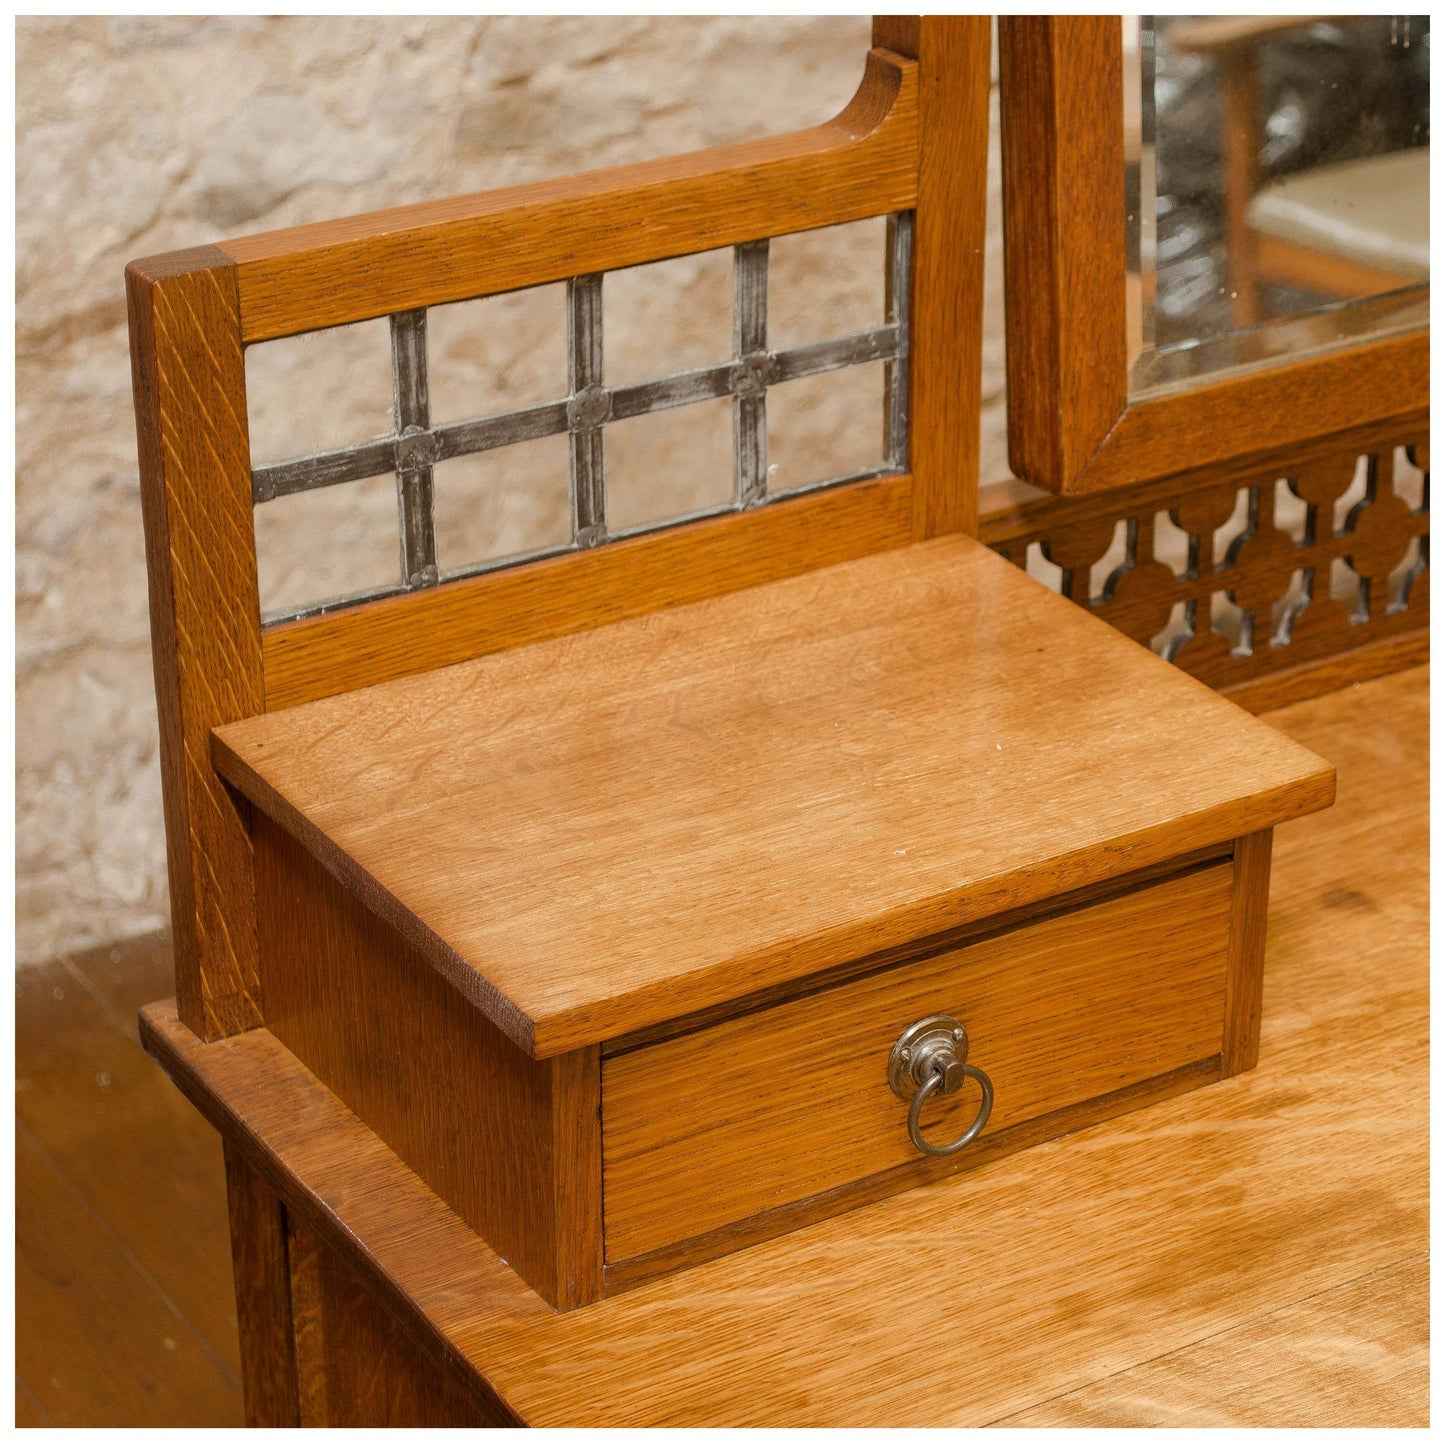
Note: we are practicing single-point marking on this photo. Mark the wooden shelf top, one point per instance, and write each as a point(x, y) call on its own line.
point(596, 834)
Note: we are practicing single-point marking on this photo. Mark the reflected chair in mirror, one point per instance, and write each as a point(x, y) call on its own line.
point(1343, 229)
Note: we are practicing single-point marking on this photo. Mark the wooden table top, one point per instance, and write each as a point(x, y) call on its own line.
point(603, 832)
point(1236, 1255)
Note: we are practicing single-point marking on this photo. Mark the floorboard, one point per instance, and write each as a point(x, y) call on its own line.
point(28, 1413)
point(131, 1146)
point(96, 1343)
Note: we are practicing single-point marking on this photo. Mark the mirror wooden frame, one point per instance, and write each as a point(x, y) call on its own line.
point(1072, 425)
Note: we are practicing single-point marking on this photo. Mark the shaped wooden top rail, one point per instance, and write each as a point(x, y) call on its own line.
point(862, 163)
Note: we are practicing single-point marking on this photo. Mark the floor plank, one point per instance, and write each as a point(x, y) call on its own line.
point(28, 1414)
point(1356, 1355)
point(137, 1153)
point(125, 976)
point(96, 1343)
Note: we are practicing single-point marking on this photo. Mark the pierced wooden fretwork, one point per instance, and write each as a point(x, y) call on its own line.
point(1243, 577)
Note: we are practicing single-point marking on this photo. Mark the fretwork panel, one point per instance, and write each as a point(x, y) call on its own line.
point(1238, 578)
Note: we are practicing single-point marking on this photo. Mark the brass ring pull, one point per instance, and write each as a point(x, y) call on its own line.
point(930, 1058)
point(931, 1085)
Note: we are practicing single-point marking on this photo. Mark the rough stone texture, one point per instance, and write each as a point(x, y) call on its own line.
point(142, 134)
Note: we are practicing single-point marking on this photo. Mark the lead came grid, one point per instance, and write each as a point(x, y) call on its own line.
point(416, 446)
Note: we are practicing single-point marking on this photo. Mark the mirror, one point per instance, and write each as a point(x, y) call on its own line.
point(1277, 187)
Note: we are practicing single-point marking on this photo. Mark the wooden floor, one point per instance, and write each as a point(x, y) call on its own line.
point(124, 1309)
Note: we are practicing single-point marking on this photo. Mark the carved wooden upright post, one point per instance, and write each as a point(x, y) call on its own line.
point(195, 469)
point(946, 325)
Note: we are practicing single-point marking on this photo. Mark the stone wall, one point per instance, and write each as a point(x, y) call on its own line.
point(139, 135)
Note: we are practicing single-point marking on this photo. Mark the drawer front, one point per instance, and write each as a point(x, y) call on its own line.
point(776, 1106)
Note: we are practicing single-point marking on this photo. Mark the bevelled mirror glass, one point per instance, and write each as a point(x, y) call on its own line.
point(1278, 187)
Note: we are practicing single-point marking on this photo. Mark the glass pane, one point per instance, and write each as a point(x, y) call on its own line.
point(1278, 186)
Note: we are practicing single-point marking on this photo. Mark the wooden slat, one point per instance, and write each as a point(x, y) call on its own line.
point(863, 163)
point(190, 405)
point(95, 1341)
point(263, 1295)
point(1359, 664)
point(1063, 205)
point(771, 1108)
point(946, 321)
point(401, 636)
point(595, 834)
point(1243, 1005)
point(308, 1325)
point(81, 1084)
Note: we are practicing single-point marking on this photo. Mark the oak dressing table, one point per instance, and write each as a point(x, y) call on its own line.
point(560, 946)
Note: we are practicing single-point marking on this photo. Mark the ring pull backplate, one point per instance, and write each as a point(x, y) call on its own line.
point(931, 1057)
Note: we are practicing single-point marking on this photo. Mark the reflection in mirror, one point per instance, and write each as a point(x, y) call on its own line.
point(1277, 187)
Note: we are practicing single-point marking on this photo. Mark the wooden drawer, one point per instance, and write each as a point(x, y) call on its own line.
point(773, 1107)
point(609, 938)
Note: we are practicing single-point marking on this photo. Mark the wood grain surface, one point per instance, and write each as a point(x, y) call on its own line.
point(770, 1108)
point(513, 1144)
point(1327, 674)
point(359, 1367)
point(1356, 1356)
point(81, 1084)
point(1255, 411)
point(94, 1341)
point(620, 827)
point(1063, 206)
point(863, 163)
point(195, 471)
point(401, 636)
point(1248, 917)
point(629, 1273)
point(263, 1296)
point(1086, 1258)
point(946, 305)
point(126, 1318)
